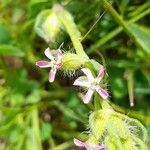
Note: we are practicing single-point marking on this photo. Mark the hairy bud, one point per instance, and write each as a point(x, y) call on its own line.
point(48, 25)
point(116, 130)
point(72, 61)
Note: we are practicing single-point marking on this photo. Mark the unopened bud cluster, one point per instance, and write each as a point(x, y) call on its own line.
point(117, 131)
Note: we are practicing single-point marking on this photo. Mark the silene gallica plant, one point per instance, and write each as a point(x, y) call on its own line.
point(108, 129)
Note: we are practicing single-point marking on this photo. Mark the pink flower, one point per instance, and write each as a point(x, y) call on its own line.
point(54, 64)
point(87, 145)
point(91, 84)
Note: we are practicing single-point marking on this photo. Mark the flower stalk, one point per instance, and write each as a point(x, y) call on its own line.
point(71, 29)
point(97, 102)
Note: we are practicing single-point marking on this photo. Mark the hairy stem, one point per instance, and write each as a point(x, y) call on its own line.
point(71, 29)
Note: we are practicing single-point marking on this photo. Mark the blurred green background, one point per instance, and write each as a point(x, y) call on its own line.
point(35, 114)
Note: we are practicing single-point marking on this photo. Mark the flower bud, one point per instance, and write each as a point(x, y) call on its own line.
point(117, 131)
point(118, 127)
point(98, 122)
point(47, 25)
point(110, 143)
point(72, 61)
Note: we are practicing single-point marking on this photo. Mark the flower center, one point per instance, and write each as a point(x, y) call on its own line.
point(55, 64)
point(93, 84)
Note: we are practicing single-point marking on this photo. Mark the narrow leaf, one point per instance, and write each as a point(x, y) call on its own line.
point(141, 36)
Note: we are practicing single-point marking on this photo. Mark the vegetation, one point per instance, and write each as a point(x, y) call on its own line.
point(36, 114)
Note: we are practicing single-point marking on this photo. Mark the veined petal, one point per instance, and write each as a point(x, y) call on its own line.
point(99, 147)
point(52, 74)
point(81, 144)
point(80, 82)
point(100, 73)
point(59, 56)
point(43, 64)
point(78, 142)
point(87, 146)
point(88, 73)
point(87, 97)
point(103, 93)
point(48, 54)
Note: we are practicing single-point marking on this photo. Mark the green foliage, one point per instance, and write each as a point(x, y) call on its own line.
point(37, 115)
point(141, 35)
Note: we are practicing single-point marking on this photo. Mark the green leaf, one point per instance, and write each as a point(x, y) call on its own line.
point(46, 129)
point(10, 50)
point(35, 6)
point(141, 36)
point(22, 85)
point(4, 35)
point(130, 81)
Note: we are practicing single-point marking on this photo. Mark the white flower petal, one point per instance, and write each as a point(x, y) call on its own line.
point(88, 73)
point(48, 54)
point(87, 97)
point(52, 74)
point(78, 142)
point(80, 82)
point(81, 144)
point(59, 56)
point(99, 147)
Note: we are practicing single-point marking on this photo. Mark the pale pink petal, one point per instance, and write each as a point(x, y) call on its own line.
point(59, 56)
point(87, 146)
point(87, 97)
point(103, 93)
point(43, 64)
point(100, 73)
point(78, 143)
point(48, 54)
point(88, 73)
point(52, 74)
point(81, 144)
point(80, 82)
point(99, 147)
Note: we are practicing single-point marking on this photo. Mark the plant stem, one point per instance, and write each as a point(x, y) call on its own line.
point(115, 15)
point(115, 32)
point(105, 104)
point(71, 29)
point(97, 102)
point(130, 82)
